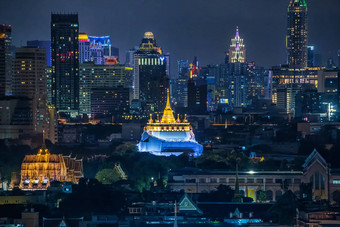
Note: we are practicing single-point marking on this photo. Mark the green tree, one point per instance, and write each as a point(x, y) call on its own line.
point(262, 197)
point(107, 176)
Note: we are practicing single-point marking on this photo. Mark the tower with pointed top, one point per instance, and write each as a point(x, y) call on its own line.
point(237, 50)
point(296, 41)
point(237, 72)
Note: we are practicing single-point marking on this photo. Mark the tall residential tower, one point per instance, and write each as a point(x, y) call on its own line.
point(5, 59)
point(65, 62)
point(296, 40)
point(29, 80)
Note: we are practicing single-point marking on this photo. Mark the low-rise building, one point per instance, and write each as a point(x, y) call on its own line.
point(316, 171)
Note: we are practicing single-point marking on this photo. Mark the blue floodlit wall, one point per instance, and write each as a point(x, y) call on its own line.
point(161, 147)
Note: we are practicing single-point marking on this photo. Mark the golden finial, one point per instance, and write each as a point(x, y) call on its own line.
point(43, 146)
point(150, 120)
point(167, 99)
point(168, 116)
point(185, 118)
point(178, 120)
point(43, 150)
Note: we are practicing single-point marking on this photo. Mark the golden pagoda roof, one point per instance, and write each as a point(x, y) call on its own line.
point(168, 115)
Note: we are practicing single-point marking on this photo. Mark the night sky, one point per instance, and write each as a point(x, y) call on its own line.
point(185, 28)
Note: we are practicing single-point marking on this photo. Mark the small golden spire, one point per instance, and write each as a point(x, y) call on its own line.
point(185, 118)
point(178, 120)
point(150, 120)
point(167, 99)
point(43, 146)
point(168, 115)
point(43, 150)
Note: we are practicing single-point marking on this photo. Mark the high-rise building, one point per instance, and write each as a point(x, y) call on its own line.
point(181, 93)
point(237, 84)
point(237, 50)
point(5, 59)
point(110, 102)
point(150, 79)
point(65, 62)
point(237, 72)
point(29, 79)
point(84, 48)
point(296, 40)
point(42, 45)
point(257, 82)
point(101, 76)
point(101, 49)
point(197, 90)
point(216, 77)
point(197, 96)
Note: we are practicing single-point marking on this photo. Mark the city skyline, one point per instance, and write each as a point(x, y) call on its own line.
point(205, 34)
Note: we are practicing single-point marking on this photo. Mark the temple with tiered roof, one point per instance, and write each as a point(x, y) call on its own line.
point(39, 170)
point(169, 136)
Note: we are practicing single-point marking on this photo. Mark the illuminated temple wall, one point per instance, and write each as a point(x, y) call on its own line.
point(161, 147)
point(38, 171)
point(174, 136)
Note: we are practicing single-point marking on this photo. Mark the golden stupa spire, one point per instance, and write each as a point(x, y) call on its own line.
point(43, 150)
point(168, 115)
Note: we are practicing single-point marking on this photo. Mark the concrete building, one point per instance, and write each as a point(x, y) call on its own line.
point(29, 79)
point(316, 171)
point(94, 76)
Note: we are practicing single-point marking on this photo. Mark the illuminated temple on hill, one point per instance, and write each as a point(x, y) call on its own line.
point(169, 136)
point(38, 171)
